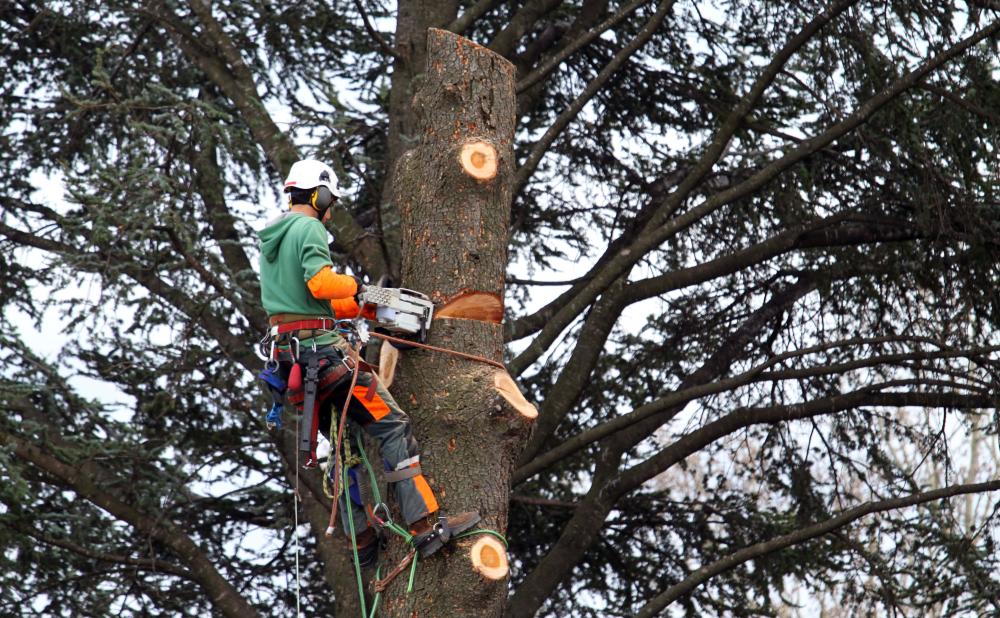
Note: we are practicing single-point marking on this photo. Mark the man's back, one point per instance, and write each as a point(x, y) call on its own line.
point(292, 250)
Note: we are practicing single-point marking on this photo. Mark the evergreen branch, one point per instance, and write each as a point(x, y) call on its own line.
point(234, 78)
point(585, 39)
point(146, 564)
point(572, 110)
point(535, 463)
point(505, 42)
point(550, 320)
point(233, 346)
point(703, 574)
point(587, 520)
point(80, 478)
point(743, 418)
point(721, 140)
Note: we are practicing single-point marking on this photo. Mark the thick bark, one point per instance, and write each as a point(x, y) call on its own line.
point(455, 240)
point(413, 19)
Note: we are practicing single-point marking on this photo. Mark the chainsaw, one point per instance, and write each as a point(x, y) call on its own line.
point(399, 310)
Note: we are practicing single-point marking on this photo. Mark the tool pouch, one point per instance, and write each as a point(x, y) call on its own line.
point(277, 386)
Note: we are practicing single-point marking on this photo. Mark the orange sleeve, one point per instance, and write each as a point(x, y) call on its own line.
point(345, 308)
point(327, 284)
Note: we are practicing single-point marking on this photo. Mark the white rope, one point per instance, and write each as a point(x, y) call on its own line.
point(295, 498)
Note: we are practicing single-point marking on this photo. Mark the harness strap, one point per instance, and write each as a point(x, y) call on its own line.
point(405, 473)
point(310, 424)
point(294, 397)
point(310, 325)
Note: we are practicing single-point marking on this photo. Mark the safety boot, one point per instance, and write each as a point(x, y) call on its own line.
point(368, 546)
point(432, 533)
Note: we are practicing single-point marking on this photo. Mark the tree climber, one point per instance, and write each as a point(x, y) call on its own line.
point(302, 296)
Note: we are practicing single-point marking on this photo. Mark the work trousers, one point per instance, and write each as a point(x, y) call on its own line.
point(378, 414)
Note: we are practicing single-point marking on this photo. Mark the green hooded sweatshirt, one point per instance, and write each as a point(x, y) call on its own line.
point(292, 250)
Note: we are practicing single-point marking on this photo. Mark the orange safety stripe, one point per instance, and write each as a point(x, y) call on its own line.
point(327, 284)
point(425, 493)
point(376, 406)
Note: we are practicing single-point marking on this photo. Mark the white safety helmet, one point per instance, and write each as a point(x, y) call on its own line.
point(312, 174)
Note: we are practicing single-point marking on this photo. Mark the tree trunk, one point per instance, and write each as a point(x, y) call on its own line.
point(413, 18)
point(453, 190)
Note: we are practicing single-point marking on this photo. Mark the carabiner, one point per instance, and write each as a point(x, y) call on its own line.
point(388, 515)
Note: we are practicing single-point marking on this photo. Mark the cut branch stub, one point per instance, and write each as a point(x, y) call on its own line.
point(505, 385)
point(388, 356)
point(479, 160)
point(489, 558)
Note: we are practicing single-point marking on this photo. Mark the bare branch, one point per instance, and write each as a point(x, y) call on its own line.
point(374, 34)
point(462, 23)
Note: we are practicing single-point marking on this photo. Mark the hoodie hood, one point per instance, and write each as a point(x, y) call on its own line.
point(274, 232)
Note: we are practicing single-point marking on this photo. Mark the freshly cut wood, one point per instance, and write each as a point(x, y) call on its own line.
point(479, 160)
point(505, 385)
point(388, 356)
point(473, 305)
point(489, 558)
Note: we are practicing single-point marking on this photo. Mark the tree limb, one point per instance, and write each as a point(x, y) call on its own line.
point(374, 34)
point(539, 462)
point(234, 78)
point(588, 37)
point(146, 564)
point(530, 12)
point(466, 19)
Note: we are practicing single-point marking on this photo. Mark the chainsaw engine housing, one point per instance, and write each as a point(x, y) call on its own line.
point(400, 310)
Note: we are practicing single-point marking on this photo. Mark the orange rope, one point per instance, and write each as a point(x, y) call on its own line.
point(335, 449)
point(473, 357)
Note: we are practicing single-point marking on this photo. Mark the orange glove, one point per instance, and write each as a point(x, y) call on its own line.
point(345, 308)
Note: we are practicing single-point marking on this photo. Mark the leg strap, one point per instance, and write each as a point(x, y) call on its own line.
point(405, 473)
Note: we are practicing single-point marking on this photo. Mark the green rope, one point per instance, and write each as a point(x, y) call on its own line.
point(349, 516)
point(413, 572)
point(378, 595)
point(502, 538)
